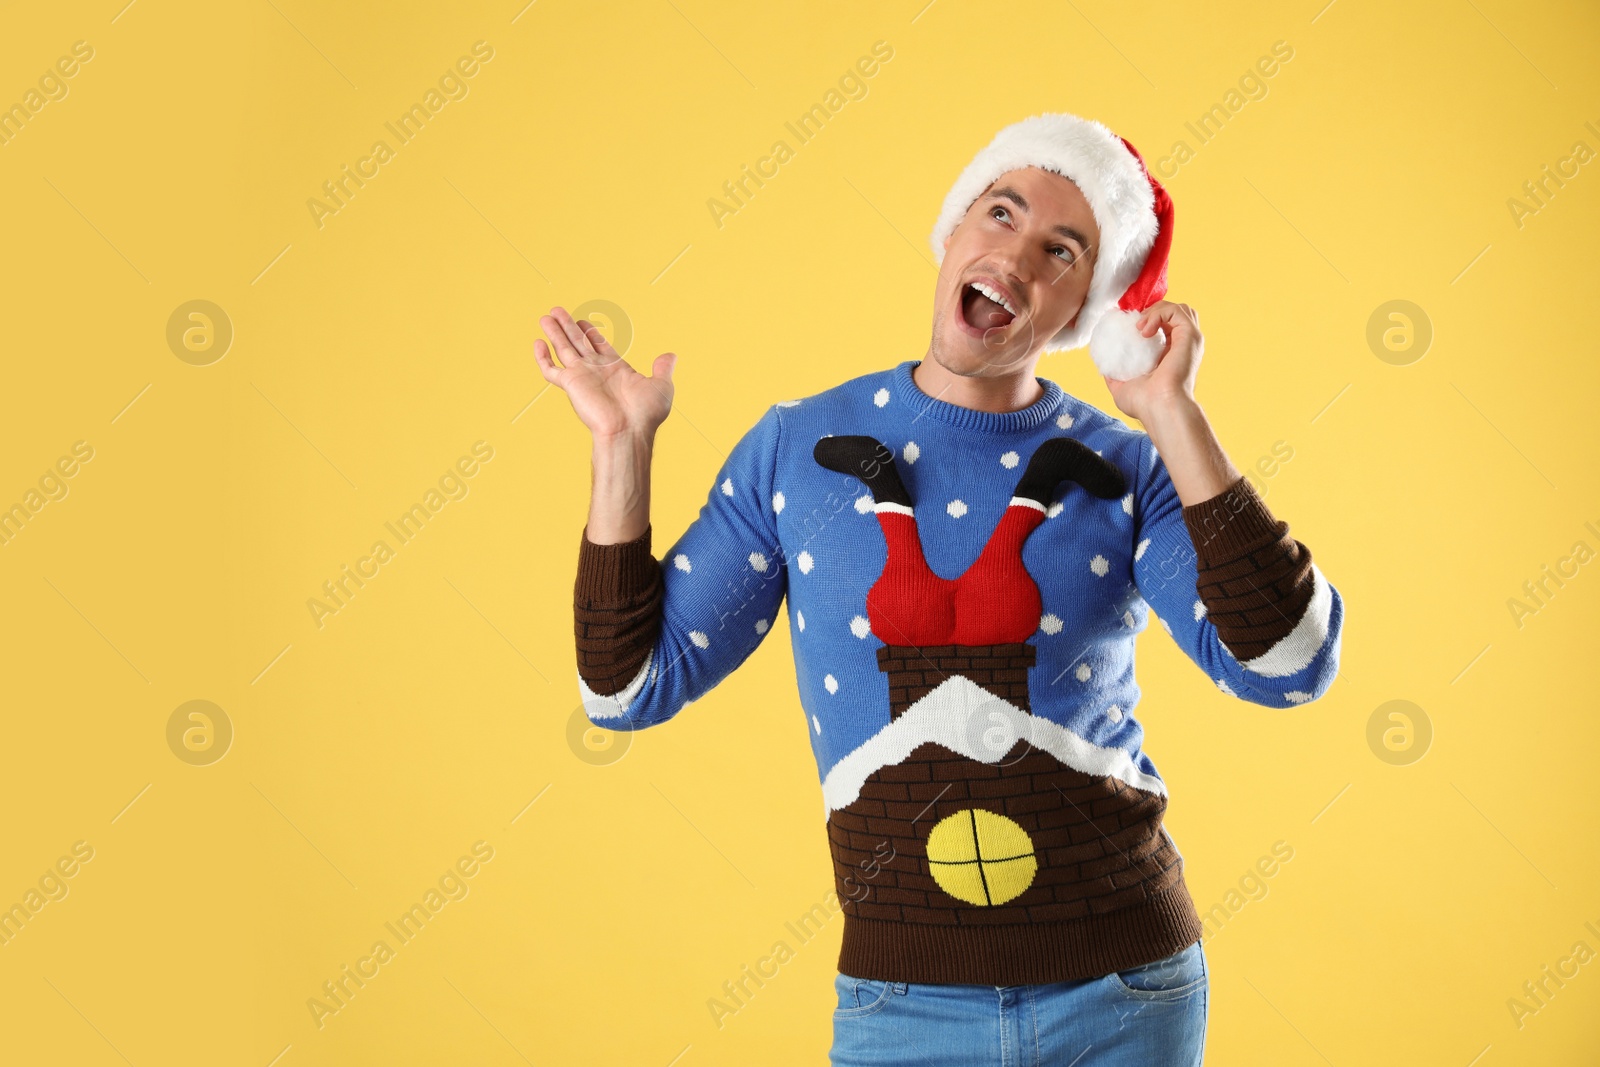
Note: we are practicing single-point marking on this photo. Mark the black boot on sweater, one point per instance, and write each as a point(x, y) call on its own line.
point(865, 458)
point(1062, 458)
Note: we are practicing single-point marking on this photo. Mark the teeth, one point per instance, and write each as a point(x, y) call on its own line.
point(994, 294)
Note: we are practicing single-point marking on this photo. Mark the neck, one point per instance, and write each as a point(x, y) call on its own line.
point(1006, 391)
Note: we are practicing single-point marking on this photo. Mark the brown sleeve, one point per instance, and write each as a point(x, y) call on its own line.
point(617, 606)
point(1254, 579)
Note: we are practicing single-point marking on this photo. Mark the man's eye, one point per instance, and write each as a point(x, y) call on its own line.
point(1000, 209)
point(1069, 257)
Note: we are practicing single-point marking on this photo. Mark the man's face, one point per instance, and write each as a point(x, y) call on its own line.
point(1030, 240)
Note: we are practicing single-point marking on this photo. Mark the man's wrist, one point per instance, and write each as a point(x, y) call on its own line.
point(1196, 462)
point(1171, 411)
point(622, 459)
point(636, 441)
point(619, 507)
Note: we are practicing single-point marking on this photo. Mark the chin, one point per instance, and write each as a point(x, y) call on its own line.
point(969, 356)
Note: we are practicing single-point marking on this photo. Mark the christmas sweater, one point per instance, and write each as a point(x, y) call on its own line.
point(965, 590)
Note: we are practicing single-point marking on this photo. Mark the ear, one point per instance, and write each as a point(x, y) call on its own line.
point(947, 237)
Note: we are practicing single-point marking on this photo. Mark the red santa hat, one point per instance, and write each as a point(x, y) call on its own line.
point(1131, 208)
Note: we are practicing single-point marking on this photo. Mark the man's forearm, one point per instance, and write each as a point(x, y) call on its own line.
point(618, 593)
point(1198, 466)
point(1254, 579)
point(619, 500)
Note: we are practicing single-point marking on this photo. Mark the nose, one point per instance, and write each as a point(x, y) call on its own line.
point(1011, 262)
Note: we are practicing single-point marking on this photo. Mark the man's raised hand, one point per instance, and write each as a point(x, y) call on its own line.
point(1171, 382)
point(610, 397)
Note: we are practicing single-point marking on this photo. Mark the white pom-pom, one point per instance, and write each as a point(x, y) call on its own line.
point(1119, 350)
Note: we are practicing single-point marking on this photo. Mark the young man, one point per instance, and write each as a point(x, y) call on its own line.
point(968, 555)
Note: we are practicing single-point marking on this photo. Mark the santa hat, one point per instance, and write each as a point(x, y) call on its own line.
point(1131, 208)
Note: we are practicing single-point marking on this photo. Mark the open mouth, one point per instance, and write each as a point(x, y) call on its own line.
point(985, 308)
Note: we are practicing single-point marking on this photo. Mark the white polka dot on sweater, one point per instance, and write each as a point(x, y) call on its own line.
point(1009, 460)
point(1127, 503)
point(681, 562)
point(1065, 421)
point(815, 725)
point(831, 683)
point(956, 508)
point(762, 626)
point(1115, 713)
point(800, 620)
point(1199, 610)
point(1083, 672)
point(911, 451)
point(759, 562)
point(1167, 626)
point(881, 397)
point(1139, 552)
point(1051, 624)
point(1296, 696)
point(864, 503)
point(1127, 620)
point(727, 487)
point(805, 561)
point(1053, 510)
point(788, 403)
point(860, 626)
point(1223, 685)
point(777, 503)
point(700, 639)
point(1100, 565)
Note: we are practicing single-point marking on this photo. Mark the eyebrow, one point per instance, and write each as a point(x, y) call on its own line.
point(1016, 197)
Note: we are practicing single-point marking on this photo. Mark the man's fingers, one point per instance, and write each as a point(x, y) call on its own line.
point(1173, 314)
point(547, 364)
point(1154, 315)
point(574, 333)
point(1150, 312)
point(558, 338)
point(662, 368)
point(597, 339)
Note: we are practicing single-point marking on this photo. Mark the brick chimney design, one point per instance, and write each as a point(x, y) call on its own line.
point(967, 809)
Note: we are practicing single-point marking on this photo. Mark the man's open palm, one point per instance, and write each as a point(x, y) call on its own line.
point(608, 395)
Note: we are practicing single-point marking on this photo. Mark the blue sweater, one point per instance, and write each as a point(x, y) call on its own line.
point(778, 524)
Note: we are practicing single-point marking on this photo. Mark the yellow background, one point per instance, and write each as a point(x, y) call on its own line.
point(433, 711)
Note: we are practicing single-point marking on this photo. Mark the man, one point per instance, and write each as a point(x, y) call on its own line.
point(968, 554)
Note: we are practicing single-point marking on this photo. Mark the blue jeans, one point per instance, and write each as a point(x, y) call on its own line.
point(1154, 1014)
